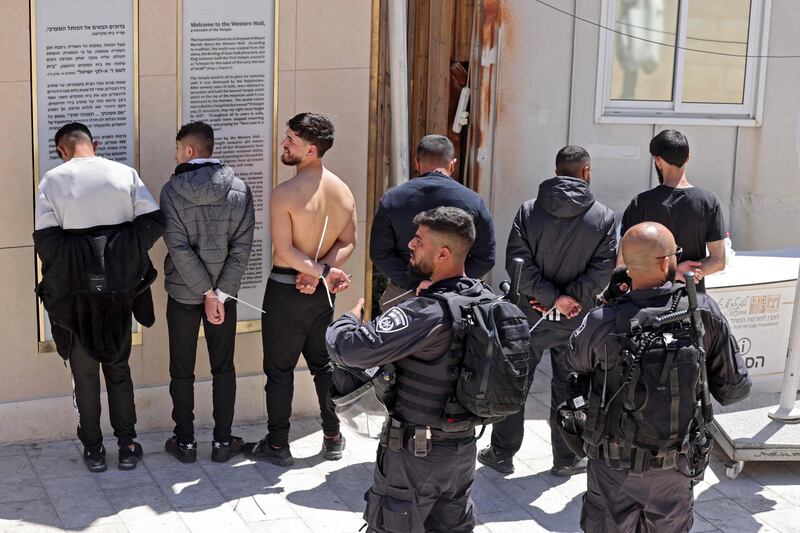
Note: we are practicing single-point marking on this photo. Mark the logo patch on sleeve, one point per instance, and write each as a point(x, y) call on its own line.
point(392, 321)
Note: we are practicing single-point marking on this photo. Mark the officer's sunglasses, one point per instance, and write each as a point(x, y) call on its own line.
point(677, 253)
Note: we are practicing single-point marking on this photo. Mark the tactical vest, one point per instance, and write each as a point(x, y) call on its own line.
point(424, 388)
point(644, 402)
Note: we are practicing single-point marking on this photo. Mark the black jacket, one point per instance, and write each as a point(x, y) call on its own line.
point(94, 278)
point(728, 380)
point(568, 243)
point(393, 226)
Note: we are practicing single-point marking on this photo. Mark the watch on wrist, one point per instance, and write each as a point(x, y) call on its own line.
point(326, 269)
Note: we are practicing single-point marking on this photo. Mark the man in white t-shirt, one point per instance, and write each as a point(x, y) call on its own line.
point(95, 221)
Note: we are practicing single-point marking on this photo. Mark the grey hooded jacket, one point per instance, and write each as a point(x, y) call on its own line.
point(568, 242)
point(209, 231)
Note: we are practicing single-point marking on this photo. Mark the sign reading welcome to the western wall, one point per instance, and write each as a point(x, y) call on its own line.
point(227, 81)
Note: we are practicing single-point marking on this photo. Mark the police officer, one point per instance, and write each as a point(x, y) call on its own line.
point(660, 497)
point(423, 476)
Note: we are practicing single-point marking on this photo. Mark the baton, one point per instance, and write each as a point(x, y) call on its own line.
point(516, 274)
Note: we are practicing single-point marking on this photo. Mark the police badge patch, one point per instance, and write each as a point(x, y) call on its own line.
point(392, 321)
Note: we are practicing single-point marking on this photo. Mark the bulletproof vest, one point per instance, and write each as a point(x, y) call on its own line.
point(644, 401)
point(423, 388)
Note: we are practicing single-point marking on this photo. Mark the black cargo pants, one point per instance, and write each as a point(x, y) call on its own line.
point(423, 494)
point(508, 433)
point(660, 501)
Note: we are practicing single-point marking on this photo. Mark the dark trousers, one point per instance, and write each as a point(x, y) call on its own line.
point(423, 494)
point(661, 501)
point(294, 323)
point(86, 389)
point(183, 323)
point(507, 434)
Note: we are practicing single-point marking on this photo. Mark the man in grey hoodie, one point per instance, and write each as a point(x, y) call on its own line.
point(567, 241)
point(210, 221)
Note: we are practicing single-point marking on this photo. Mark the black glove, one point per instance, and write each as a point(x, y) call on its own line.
point(619, 284)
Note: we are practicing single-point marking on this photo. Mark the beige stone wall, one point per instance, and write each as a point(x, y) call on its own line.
point(323, 66)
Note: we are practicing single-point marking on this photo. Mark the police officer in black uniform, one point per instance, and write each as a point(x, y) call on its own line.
point(423, 475)
point(658, 497)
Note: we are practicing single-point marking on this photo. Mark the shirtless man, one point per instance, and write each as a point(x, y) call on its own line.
point(313, 225)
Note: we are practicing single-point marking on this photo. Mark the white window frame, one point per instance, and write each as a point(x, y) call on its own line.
point(676, 112)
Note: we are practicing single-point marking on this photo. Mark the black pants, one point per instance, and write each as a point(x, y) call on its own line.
point(423, 494)
point(661, 501)
point(183, 323)
point(86, 387)
point(294, 323)
point(507, 435)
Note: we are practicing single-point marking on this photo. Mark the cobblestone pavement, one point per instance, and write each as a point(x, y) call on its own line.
point(45, 487)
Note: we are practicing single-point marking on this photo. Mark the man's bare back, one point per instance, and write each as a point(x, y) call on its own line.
point(298, 212)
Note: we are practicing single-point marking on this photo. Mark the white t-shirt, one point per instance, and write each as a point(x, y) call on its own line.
point(91, 191)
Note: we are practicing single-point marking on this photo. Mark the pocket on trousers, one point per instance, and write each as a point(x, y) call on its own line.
point(592, 517)
point(390, 509)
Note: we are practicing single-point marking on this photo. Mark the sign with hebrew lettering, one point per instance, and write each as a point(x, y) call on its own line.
point(85, 72)
point(83, 59)
point(227, 80)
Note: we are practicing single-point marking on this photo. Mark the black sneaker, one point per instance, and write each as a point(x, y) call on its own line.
point(332, 448)
point(95, 458)
point(185, 453)
point(502, 463)
point(128, 459)
point(263, 451)
point(222, 451)
point(570, 470)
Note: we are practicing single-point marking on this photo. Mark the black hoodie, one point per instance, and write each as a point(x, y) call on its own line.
point(568, 243)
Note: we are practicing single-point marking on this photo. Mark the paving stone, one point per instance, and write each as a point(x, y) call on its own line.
point(701, 525)
point(783, 520)
point(57, 459)
point(293, 525)
point(508, 521)
point(727, 515)
point(217, 518)
point(34, 513)
point(22, 490)
point(80, 502)
point(12, 449)
point(186, 485)
point(318, 495)
point(16, 468)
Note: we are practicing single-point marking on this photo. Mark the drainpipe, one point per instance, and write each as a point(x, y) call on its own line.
point(398, 96)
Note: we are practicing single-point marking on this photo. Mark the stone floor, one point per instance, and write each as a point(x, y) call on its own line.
point(45, 487)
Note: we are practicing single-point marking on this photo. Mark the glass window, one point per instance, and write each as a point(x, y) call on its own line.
point(643, 67)
point(718, 26)
point(667, 61)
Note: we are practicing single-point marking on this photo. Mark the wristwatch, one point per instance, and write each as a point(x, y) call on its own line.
point(326, 269)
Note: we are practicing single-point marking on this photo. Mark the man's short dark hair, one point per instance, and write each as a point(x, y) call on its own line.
point(570, 161)
point(200, 133)
point(455, 224)
point(671, 146)
point(71, 128)
point(313, 128)
point(436, 149)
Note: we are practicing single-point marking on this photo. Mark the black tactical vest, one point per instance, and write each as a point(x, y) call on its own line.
point(425, 390)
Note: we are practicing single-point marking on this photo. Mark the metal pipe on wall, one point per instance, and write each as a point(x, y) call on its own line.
point(398, 94)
